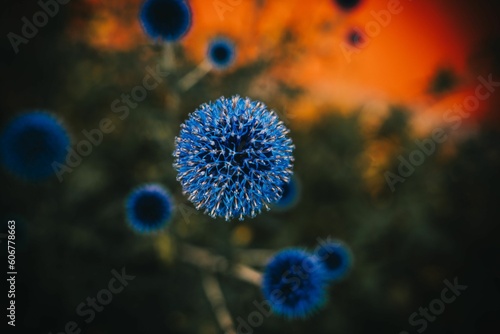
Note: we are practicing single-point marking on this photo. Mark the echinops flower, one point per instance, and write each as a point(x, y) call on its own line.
point(31, 143)
point(233, 157)
point(149, 208)
point(294, 284)
point(221, 53)
point(168, 20)
point(336, 258)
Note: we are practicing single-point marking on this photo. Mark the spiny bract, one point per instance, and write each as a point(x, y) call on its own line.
point(233, 157)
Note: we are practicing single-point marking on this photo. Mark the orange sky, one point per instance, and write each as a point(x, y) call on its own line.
point(306, 42)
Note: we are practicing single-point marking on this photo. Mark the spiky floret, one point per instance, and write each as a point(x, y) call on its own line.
point(294, 284)
point(233, 157)
point(149, 208)
point(31, 143)
point(336, 258)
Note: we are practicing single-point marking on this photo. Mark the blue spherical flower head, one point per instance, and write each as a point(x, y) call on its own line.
point(294, 284)
point(169, 20)
point(149, 208)
point(336, 258)
point(291, 194)
point(31, 143)
point(347, 5)
point(221, 53)
point(233, 157)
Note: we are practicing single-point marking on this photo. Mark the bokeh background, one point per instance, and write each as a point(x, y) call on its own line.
point(354, 104)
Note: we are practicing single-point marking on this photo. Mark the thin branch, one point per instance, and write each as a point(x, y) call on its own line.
point(190, 79)
point(255, 257)
point(216, 298)
point(247, 274)
point(203, 258)
point(215, 263)
point(168, 56)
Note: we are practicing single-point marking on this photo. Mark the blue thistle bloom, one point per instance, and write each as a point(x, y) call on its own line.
point(169, 20)
point(233, 157)
point(221, 53)
point(294, 284)
point(149, 208)
point(336, 258)
point(347, 4)
point(31, 142)
point(291, 194)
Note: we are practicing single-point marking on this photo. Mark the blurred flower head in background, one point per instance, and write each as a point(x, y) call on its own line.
point(31, 143)
point(168, 20)
point(221, 53)
point(149, 208)
point(294, 284)
point(336, 258)
point(291, 195)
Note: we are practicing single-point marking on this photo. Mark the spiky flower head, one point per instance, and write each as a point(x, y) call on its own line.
point(294, 284)
point(233, 157)
point(149, 208)
point(336, 258)
point(31, 143)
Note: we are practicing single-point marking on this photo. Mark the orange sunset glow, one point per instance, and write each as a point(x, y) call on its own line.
point(403, 45)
